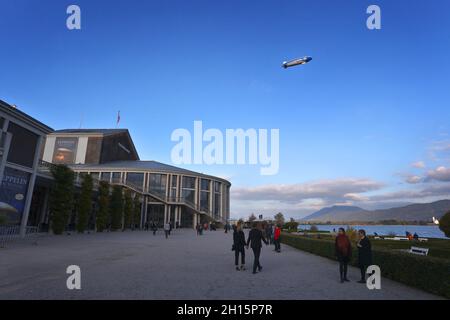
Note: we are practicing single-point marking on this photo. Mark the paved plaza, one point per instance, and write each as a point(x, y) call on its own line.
point(138, 265)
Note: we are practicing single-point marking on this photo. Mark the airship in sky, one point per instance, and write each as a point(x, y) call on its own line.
point(296, 62)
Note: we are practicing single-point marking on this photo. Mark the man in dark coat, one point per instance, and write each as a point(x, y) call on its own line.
point(239, 246)
point(364, 254)
point(256, 237)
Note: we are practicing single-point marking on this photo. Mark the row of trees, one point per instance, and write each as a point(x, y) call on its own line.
point(116, 208)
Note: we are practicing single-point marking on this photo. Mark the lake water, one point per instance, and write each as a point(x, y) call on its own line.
point(399, 230)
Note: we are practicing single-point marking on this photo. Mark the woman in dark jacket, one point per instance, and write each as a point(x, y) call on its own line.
point(239, 246)
point(343, 249)
point(364, 254)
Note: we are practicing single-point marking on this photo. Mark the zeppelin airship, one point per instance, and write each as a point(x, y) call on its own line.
point(296, 62)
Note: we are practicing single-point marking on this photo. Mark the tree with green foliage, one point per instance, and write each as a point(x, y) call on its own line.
point(2, 219)
point(136, 212)
point(444, 224)
point(102, 216)
point(85, 203)
point(292, 225)
point(279, 218)
point(61, 197)
point(116, 208)
point(127, 209)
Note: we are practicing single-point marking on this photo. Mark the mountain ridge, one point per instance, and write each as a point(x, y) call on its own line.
point(410, 212)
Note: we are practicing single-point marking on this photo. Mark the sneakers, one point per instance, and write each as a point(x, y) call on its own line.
point(346, 280)
point(361, 281)
point(237, 268)
point(243, 268)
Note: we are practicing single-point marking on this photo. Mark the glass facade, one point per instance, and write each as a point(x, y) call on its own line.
point(188, 189)
point(212, 196)
point(205, 195)
point(23, 145)
point(106, 176)
point(116, 177)
point(217, 199)
point(135, 179)
point(158, 184)
point(173, 187)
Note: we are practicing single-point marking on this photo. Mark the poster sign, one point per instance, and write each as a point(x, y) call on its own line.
point(65, 150)
point(13, 191)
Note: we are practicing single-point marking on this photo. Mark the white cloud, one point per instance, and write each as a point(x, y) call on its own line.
point(440, 174)
point(418, 164)
point(328, 190)
point(413, 179)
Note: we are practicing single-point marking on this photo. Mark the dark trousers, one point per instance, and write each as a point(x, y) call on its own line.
point(363, 269)
point(257, 253)
point(277, 245)
point(238, 251)
point(167, 233)
point(343, 263)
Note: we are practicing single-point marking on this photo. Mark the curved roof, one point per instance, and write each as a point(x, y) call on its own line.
point(150, 165)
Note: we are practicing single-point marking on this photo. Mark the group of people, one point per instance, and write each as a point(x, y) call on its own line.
point(255, 239)
point(343, 251)
point(153, 226)
point(343, 248)
point(200, 227)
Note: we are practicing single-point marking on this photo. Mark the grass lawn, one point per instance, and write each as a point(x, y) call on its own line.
point(439, 248)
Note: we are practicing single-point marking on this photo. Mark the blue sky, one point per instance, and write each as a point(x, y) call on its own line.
point(352, 122)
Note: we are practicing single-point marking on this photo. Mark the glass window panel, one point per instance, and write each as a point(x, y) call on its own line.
point(135, 179)
point(189, 182)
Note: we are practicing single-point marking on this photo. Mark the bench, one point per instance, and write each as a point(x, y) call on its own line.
point(420, 251)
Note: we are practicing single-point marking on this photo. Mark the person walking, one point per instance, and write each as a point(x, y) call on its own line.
point(364, 254)
point(343, 250)
point(239, 247)
point(167, 229)
point(255, 239)
point(276, 238)
point(268, 231)
point(154, 227)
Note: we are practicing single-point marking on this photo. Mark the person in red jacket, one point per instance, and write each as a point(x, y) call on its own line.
point(343, 249)
point(276, 238)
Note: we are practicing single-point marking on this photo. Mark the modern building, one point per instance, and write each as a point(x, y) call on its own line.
point(21, 141)
point(167, 193)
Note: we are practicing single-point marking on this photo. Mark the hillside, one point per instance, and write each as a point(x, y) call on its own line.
point(412, 212)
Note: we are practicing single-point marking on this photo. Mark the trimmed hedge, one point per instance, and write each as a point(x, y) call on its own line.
point(423, 272)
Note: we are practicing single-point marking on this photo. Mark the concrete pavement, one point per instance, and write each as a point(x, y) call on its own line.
point(138, 265)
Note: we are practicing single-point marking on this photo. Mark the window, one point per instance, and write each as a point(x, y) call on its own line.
point(158, 183)
point(135, 179)
point(217, 199)
point(116, 177)
point(23, 145)
point(173, 188)
point(188, 189)
point(106, 176)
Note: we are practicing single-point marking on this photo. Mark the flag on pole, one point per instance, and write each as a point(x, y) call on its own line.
point(118, 118)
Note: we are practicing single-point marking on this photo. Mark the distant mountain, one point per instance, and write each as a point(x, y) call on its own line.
point(412, 212)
